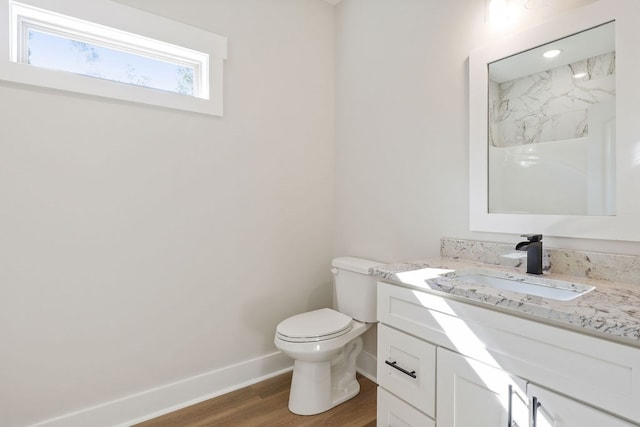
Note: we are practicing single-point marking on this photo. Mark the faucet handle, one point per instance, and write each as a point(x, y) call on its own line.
point(532, 237)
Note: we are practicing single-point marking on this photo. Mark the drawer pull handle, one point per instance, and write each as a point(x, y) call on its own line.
point(535, 404)
point(412, 374)
point(510, 409)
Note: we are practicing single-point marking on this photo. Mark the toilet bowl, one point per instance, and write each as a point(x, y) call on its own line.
point(325, 343)
point(316, 350)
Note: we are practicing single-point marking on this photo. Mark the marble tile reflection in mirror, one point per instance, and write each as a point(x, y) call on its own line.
point(552, 128)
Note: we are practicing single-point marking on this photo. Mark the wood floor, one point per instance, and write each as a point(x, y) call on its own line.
point(265, 404)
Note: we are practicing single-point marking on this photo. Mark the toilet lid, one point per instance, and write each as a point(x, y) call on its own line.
point(314, 325)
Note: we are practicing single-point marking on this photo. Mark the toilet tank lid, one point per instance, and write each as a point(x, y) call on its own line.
point(357, 265)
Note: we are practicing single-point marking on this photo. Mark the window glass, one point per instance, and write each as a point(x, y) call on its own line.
point(65, 54)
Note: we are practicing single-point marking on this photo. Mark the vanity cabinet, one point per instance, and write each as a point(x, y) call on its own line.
point(477, 361)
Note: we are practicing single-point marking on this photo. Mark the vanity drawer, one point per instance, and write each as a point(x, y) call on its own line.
point(393, 412)
point(407, 368)
point(409, 311)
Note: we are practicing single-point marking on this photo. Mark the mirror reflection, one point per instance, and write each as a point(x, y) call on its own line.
point(552, 127)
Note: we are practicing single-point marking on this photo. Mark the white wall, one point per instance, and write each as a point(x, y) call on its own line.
point(401, 125)
point(142, 246)
point(401, 173)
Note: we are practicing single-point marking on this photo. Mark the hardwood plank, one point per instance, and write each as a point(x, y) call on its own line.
point(265, 404)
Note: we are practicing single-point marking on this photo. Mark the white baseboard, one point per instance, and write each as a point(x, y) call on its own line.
point(367, 365)
point(168, 398)
point(161, 400)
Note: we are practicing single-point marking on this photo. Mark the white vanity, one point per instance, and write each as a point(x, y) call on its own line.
point(455, 353)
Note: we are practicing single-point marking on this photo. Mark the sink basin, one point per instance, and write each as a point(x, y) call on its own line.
point(524, 284)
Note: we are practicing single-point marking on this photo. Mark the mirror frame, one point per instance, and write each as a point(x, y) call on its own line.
point(625, 225)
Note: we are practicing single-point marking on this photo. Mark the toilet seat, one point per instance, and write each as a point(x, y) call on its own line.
point(313, 326)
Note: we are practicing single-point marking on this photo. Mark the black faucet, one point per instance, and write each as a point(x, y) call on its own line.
point(533, 246)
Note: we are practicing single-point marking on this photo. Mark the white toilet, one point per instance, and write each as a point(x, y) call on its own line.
point(325, 343)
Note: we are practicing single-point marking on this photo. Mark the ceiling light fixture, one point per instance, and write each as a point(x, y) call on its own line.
point(579, 75)
point(552, 53)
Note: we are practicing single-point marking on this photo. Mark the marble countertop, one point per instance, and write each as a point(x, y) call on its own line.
point(611, 310)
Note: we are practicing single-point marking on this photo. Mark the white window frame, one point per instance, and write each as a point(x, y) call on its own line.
point(115, 26)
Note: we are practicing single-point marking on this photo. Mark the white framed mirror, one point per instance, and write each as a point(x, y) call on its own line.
point(589, 192)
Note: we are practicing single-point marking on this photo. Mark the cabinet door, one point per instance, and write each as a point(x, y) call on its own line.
point(472, 393)
point(553, 410)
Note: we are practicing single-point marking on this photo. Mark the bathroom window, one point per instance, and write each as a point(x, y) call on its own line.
point(59, 50)
point(55, 49)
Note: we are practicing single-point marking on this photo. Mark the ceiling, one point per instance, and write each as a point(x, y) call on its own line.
point(577, 47)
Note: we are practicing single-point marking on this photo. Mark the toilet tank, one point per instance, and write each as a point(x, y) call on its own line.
point(355, 289)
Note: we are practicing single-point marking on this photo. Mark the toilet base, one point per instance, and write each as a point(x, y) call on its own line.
point(319, 386)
